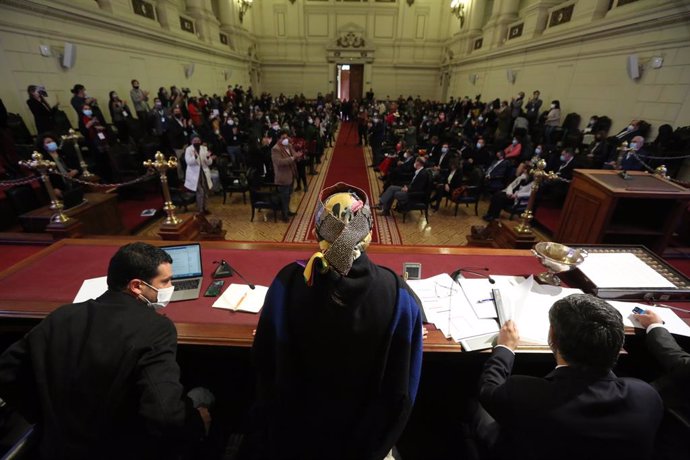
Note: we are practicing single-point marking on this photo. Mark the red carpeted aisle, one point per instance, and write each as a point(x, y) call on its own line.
point(347, 164)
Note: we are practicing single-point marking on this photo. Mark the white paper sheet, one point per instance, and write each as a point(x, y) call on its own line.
point(621, 270)
point(673, 322)
point(91, 289)
point(239, 297)
point(478, 291)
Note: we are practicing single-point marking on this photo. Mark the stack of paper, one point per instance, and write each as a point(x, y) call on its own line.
point(604, 270)
point(240, 297)
point(672, 322)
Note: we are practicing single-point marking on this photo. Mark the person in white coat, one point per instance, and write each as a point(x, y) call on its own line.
point(198, 175)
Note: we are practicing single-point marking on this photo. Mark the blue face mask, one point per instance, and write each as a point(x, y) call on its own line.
point(88, 113)
point(537, 151)
point(563, 158)
point(633, 145)
point(515, 141)
point(51, 146)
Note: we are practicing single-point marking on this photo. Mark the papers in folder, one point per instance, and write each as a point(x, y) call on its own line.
point(239, 297)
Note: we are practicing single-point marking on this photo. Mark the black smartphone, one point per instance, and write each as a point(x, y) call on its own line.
point(638, 311)
point(214, 288)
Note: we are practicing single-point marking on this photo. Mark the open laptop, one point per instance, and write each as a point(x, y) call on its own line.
point(186, 267)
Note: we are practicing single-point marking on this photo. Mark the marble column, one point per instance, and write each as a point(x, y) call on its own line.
point(168, 15)
point(205, 21)
point(227, 15)
point(475, 23)
point(503, 13)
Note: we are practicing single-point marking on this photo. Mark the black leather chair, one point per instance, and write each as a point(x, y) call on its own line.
point(469, 195)
point(265, 198)
point(232, 181)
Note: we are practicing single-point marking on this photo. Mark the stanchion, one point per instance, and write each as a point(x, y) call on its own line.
point(74, 137)
point(61, 225)
point(173, 227)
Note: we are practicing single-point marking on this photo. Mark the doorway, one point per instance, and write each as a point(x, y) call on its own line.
point(349, 79)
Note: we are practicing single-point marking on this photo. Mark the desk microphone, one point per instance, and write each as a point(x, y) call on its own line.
point(225, 266)
point(473, 270)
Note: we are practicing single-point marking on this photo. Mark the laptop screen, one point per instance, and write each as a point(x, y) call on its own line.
point(186, 260)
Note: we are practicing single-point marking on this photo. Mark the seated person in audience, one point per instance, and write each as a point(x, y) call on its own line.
point(401, 170)
point(495, 175)
point(555, 190)
point(602, 154)
point(96, 139)
point(630, 131)
point(512, 152)
point(100, 378)
point(350, 399)
point(420, 183)
point(477, 156)
point(441, 159)
point(518, 191)
point(450, 181)
point(672, 439)
point(60, 183)
point(581, 409)
point(631, 159)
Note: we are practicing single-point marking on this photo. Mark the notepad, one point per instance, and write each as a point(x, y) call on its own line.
point(240, 297)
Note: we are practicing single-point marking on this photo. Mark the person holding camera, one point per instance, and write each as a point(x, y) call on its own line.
point(42, 111)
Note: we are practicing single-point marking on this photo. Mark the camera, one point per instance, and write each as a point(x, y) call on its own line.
point(42, 91)
point(186, 91)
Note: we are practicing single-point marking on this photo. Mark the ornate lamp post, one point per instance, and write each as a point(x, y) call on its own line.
point(43, 167)
point(539, 176)
point(74, 137)
point(162, 165)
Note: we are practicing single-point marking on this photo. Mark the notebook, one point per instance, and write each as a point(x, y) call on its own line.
point(186, 267)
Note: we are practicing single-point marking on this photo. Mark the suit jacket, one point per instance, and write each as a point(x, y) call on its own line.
point(675, 362)
point(284, 167)
point(421, 182)
point(100, 379)
point(570, 413)
point(631, 162)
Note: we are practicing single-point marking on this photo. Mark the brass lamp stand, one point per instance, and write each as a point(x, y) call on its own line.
point(539, 176)
point(173, 227)
point(61, 225)
point(74, 137)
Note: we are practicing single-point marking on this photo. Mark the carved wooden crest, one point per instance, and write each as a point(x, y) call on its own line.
point(350, 40)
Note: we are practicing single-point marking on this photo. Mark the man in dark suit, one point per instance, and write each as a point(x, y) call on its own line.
point(495, 175)
point(672, 442)
point(581, 409)
point(631, 159)
point(100, 378)
point(420, 183)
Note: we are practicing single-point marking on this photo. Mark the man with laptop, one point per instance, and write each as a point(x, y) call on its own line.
point(100, 378)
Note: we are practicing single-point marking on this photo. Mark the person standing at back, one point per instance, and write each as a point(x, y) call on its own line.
point(581, 410)
point(141, 107)
point(100, 378)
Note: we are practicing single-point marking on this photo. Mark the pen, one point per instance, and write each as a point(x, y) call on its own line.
point(241, 300)
point(485, 300)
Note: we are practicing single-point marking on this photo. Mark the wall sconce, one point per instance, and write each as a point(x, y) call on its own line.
point(244, 7)
point(457, 7)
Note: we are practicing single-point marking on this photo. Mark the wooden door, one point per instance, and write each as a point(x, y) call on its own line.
point(356, 81)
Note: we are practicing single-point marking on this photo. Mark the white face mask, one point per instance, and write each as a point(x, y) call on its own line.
point(162, 298)
point(537, 151)
point(285, 142)
point(553, 106)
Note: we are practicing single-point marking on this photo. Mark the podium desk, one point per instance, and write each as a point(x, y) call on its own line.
point(50, 278)
point(98, 214)
point(604, 208)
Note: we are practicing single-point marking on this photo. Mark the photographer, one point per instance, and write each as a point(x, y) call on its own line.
point(42, 111)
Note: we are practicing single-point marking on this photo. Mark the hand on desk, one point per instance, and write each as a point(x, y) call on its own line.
point(425, 333)
point(508, 336)
point(647, 318)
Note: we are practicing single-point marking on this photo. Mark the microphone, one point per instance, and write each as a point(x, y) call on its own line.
point(473, 270)
point(225, 269)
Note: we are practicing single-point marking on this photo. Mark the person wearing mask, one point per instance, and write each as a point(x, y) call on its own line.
point(579, 410)
point(284, 157)
point(352, 399)
point(495, 174)
point(553, 121)
point(42, 111)
point(179, 130)
point(198, 175)
point(451, 180)
point(601, 154)
point(100, 378)
point(517, 192)
point(120, 114)
point(532, 108)
point(516, 105)
point(79, 98)
point(140, 99)
point(96, 139)
point(632, 159)
point(478, 156)
point(61, 183)
point(513, 151)
point(420, 182)
point(234, 139)
point(159, 118)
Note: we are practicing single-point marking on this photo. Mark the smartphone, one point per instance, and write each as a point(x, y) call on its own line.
point(214, 288)
point(638, 311)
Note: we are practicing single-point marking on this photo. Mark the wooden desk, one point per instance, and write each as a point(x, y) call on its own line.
point(50, 278)
point(603, 208)
point(38, 285)
point(99, 215)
